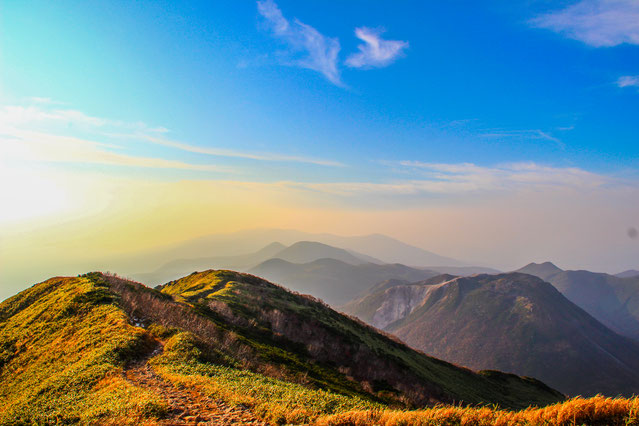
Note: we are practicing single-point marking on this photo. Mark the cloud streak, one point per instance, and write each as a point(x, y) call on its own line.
point(457, 181)
point(598, 23)
point(23, 145)
point(512, 175)
point(628, 81)
point(375, 52)
point(35, 124)
point(524, 134)
point(219, 152)
point(308, 48)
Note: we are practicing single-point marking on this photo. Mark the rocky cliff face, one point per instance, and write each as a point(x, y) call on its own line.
point(398, 303)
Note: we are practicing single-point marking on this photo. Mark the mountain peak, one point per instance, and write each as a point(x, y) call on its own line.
point(519, 323)
point(542, 270)
point(309, 251)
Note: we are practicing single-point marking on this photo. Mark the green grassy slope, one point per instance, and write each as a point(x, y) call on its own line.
point(314, 334)
point(62, 344)
point(65, 343)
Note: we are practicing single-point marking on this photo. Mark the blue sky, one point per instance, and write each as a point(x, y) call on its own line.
point(415, 109)
point(474, 82)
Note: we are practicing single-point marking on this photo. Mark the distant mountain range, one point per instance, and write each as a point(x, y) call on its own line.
point(334, 281)
point(332, 273)
point(612, 300)
point(376, 246)
point(513, 322)
point(299, 252)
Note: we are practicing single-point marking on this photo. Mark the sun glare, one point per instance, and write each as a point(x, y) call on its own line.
point(28, 194)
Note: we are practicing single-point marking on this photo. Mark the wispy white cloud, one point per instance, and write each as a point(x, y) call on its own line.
point(219, 152)
point(33, 133)
point(18, 114)
point(455, 178)
point(628, 81)
point(598, 23)
point(375, 52)
point(523, 134)
point(24, 145)
point(456, 182)
point(308, 48)
point(52, 125)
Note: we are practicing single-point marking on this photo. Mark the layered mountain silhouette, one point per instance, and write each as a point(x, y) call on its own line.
point(332, 280)
point(98, 349)
point(309, 251)
point(376, 246)
point(612, 300)
point(512, 322)
point(299, 252)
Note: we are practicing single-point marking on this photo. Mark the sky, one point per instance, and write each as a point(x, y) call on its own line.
point(494, 132)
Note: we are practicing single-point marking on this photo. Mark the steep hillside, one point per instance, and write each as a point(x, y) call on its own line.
point(101, 350)
point(309, 329)
point(612, 300)
point(334, 281)
point(63, 344)
point(519, 323)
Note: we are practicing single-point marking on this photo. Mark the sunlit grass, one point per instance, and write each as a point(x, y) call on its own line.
point(271, 399)
point(63, 346)
point(597, 410)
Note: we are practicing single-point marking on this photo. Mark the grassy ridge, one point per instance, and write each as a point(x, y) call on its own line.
point(65, 342)
point(276, 401)
point(63, 345)
point(310, 331)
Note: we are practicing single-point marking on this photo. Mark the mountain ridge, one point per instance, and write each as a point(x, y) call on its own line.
point(334, 281)
point(514, 322)
point(287, 359)
point(612, 300)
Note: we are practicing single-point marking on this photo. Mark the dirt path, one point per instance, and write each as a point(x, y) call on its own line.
point(186, 406)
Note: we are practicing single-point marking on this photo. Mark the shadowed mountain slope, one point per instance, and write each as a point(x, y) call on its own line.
point(612, 300)
point(519, 323)
point(334, 281)
point(89, 349)
point(630, 273)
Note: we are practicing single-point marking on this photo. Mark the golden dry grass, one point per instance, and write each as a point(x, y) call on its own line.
point(597, 410)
